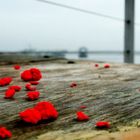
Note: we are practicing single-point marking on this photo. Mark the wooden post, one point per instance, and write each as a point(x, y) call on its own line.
point(129, 31)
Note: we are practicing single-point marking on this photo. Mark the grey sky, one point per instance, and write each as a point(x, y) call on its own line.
point(47, 27)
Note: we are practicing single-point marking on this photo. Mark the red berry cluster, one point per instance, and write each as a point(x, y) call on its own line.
point(10, 92)
point(44, 110)
point(105, 65)
point(32, 74)
point(41, 111)
point(33, 115)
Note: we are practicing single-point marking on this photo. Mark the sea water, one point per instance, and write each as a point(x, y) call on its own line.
point(108, 57)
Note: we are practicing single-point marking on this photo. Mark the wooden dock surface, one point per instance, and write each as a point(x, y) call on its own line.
point(111, 94)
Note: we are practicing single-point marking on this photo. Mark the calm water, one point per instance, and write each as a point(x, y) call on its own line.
point(104, 57)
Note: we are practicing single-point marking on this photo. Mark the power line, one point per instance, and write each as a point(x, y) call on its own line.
point(84, 11)
point(81, 10)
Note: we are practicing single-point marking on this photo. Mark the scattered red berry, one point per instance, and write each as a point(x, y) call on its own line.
point(32, 74)
point(9, 93)
point(4, 133)
point(96, 65)
point(30, 115)
point(16, 88)
point(106, 66)
point(33, 95)
point(47, 110)
point(83, 107)
point(17, 67)
point(73, 84)
point(103, 125)
point(34, 82)
point(36, 74)
point(5, 81)
point(81, 116)
point(26, 75)
point(29, 87)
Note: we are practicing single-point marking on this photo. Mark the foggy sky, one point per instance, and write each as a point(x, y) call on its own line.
point(29, 23)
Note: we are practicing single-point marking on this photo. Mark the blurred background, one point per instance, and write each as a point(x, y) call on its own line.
point(40, 29)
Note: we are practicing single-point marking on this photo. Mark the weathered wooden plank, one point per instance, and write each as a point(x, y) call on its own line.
point(109, 94)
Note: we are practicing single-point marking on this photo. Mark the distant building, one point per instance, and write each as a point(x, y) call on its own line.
point(83, 52)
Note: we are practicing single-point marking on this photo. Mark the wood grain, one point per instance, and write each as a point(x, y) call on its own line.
point(110, 95)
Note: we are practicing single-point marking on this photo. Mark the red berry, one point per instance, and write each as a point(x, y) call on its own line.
point(81, 116)
point(29, 87)
point(30, 115)
point(16, 88)
point(5, 81)
point(96, 65)
point(32, 74)
point(34, 82)
point(106, 66)
point(83, 107)
point(4, 133)
point(33, 95)
point(103, 124)
point(47, 110)
point(17, 67)
point(9, 93)
point(73, 84)
point(26, 75)
point(36, 74)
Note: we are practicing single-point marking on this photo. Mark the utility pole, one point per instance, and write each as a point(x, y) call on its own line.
point(129, 31)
